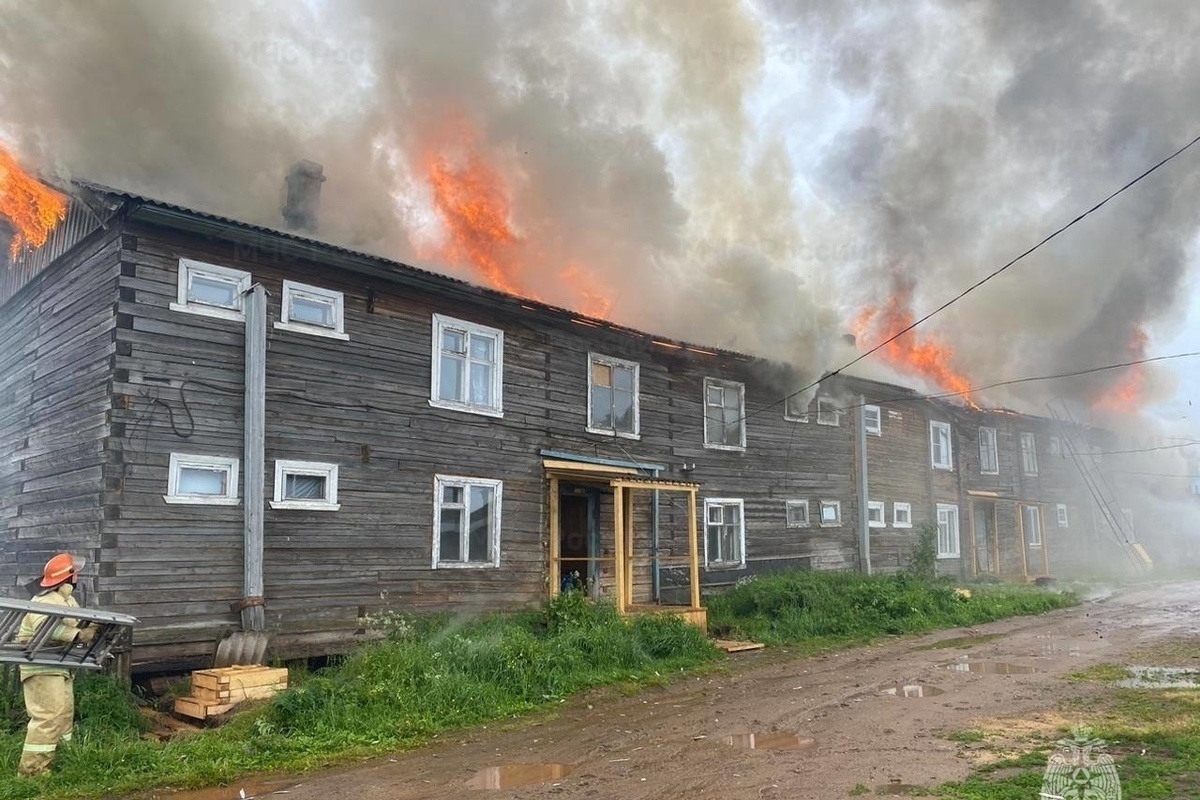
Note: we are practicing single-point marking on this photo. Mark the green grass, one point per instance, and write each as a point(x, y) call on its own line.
point(1099, 673)
point(818, 608)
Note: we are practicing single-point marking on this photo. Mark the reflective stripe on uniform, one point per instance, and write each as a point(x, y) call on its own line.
point(40, 748)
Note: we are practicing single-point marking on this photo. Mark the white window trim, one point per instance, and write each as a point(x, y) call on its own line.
point(596, 358)
point(995, 451)
point(726, 501)
point(788, 505)
point(949, 462)
point(497, 487)
point(741, 387)
point(1063, 516)
point(181, 460)
point(1032, 438)
point(187, 267)
point(877, 430)
point(836, 504)
point(835, 413)
point(328, 471)
point(338, 300)
point(795, 417)
point(1041, 534)
point(896, 523)
point(956, 553)
point(881, 507)
point(441, 321)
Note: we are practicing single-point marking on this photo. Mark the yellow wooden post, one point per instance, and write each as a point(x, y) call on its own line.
point(629, 545)
point(694, 547)
point(555, 543)
point(619, 544)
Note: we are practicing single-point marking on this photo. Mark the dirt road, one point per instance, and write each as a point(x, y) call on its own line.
point(835, 712)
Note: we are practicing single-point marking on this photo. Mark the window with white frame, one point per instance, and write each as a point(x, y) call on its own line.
point(202, 480)
point(724, 533)
point(1062, 515)
point(724, 418)
point(1029, 454)
point(306, 486)
point(901, 515)
point(1031, 518)
point(940, 455)
point(795, 408)
point(612, 396)
point(827, 411)
point(947, 526)
point(310, 309)
point(873, 420)
point(211, 290)
point(1055, 446)
point(875, 514)
point(989, 454)
point(831, 512)
point(468, 366)
point(797, 513)
point(466, 522)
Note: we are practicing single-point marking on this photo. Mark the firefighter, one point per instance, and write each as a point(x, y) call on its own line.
point(50, 691)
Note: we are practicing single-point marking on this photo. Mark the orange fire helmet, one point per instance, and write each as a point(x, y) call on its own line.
point(63, 567)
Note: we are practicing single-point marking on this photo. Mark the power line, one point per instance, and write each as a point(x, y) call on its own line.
point(1146, 449)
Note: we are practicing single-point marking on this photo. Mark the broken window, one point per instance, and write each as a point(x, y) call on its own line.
point(989, 458)
point(795, 408)
point(309, 309)
point(939, 445)
point(797, 513)
point(613, 396)
point(1029, 454)
point(827, 411)
point(724, 420)
point(202, 480)
point(468, 362)
point(725, 533)
point(306, 485)
point(468, 522)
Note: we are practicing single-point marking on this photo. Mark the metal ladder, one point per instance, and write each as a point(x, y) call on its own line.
point(114, 634)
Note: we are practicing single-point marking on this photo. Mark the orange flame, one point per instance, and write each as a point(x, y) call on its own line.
point(592, 300)
point(1127, 395)
point(33, 209)
point(913, 352)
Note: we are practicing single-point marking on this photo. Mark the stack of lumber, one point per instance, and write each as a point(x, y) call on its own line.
point(216, 691)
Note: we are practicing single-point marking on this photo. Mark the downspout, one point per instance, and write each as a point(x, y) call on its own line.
point(864, 525)
point(654, 543)
point(252, 611)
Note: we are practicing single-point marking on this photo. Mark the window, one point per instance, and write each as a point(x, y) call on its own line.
point(827, 411)
point(831, 512)
point(939, 445)
point(1055, 446)
point(1032, 519)
point(1062, 516)
point(725, 533)
point(875, 514)
point(202, 480)
point(724, 422)
point(468, 360)
point(795, 408)
point(612, 396)
point(466, 525)
point(306, 486)
point(1029, 454)
point(873, 420)
point(947, 525)
point(308, 309)
point(989, 458)
point(211, 290)
point(901, 515)
point(797, 513)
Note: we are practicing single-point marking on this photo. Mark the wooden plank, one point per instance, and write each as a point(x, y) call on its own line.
point(730, 646)
point(555, 522)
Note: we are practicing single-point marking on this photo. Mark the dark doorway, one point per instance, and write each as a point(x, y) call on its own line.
point(576, 531)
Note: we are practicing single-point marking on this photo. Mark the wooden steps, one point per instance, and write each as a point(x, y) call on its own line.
point(216, 691)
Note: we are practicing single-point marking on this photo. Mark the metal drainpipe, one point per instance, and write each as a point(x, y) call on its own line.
point(654, 543)
point(253, 615)
point(864, 526)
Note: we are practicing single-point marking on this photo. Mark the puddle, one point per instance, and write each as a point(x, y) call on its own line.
point(508, 776)
point(959, 642)
point(238, 791)
point(771, 741)
point(914, 690)
point(988, 667)
point(1161, 678)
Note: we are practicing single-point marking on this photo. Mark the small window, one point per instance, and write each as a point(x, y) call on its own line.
point(947, 525)
point(1055, 446)
point(827, 411)
point(308, 309)
point(875, 514)
point(202, 480)
point(468, 362)
point(831, 512)
point(1031, 518)
point(724, 418)
point(795, 408)
point(873, 420)
point(1062, 516)
point(901, 515)
point(211, 290)
point(797, 513)
point(466, 522)
point(939, 445)
point(989, 459)
point(612, 396)
point(306, 486)
point(724, 533)
point(1029, 454)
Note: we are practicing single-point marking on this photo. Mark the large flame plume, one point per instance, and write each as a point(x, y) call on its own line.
point(1127, 396)
point(29, 206)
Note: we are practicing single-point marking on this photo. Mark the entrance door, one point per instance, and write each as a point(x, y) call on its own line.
point(983, 521)
point(575, 542)
point(1035, 546)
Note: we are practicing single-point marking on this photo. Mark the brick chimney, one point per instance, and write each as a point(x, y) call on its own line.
point(303, 195)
